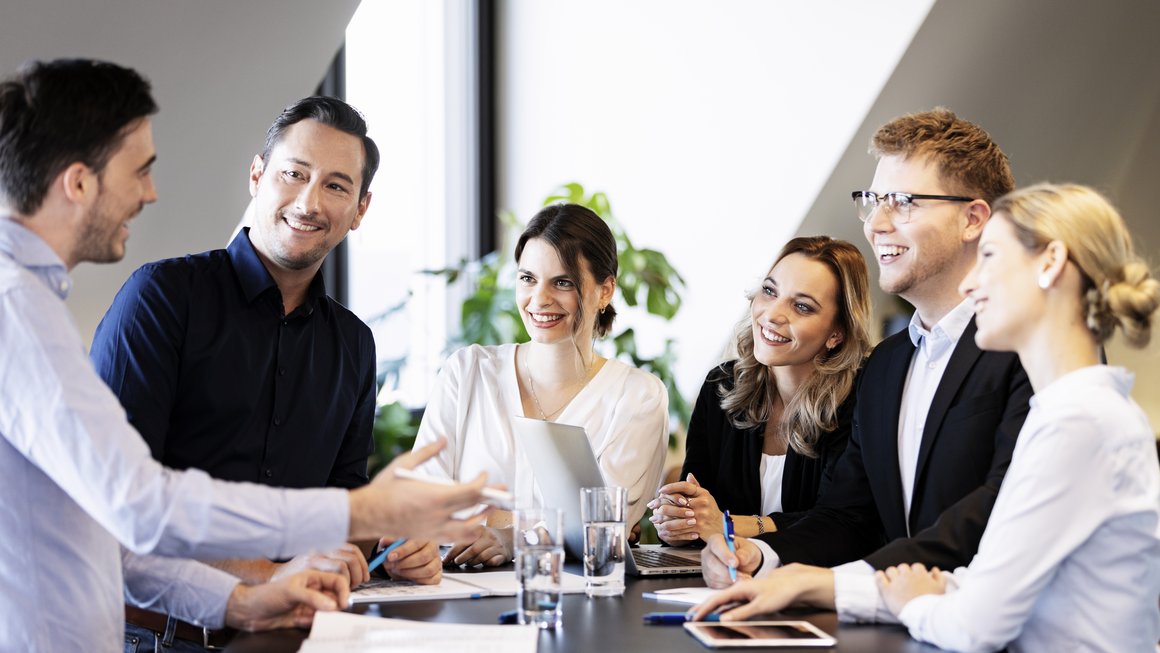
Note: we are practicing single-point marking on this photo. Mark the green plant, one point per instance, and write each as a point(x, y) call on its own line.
point(490, 315)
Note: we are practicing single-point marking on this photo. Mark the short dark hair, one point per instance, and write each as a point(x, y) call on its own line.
point(576, 233)
point(56, 113)
point(331, 112)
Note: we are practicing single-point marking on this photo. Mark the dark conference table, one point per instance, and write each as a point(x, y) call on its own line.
point(605, 625)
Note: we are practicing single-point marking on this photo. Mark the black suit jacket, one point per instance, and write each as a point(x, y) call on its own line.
point(969, 436)
point(726, 460)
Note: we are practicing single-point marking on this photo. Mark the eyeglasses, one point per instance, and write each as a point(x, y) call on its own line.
point(899, 203)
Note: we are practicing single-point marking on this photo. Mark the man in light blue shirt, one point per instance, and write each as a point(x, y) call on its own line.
point(86, 510)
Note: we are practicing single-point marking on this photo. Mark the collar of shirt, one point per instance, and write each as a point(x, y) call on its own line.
point(32, 253)
point(946, 332)
point(255, 279)
point(1066, 388)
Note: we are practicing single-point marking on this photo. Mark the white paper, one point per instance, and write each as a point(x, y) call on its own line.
point(342, 632)
point(453, 586)
point(687, 595)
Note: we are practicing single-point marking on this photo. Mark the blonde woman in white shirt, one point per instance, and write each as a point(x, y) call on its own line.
point(1070, 559)
point(567, 265)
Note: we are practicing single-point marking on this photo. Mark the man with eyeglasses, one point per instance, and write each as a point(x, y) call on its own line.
point(935, 418)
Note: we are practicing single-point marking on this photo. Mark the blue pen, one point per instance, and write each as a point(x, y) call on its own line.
point(382, 556)
point(727, 521)
point(674, 618)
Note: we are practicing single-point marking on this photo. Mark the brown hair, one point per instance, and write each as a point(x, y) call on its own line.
point(814, 409)
point(577, 233)
point(1119, 289)
point(967, 159)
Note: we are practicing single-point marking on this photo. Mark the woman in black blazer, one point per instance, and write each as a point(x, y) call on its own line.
point(768, 426)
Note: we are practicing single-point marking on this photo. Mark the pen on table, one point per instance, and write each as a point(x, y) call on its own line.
point(509, 617)
point(727, 522)
point(497, 496)
point(382, 555)
point(673, 618)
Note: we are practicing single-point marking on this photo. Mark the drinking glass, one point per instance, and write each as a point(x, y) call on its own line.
point(603, 510)
point(538, 535)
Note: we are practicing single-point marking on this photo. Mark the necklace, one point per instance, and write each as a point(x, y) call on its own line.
point(535, 398)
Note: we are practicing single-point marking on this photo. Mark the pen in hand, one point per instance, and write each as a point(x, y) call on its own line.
point(727, 522)
point(379, 559)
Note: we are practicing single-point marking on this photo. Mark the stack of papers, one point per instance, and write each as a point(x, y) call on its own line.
point(453, 586)
point(342, 632)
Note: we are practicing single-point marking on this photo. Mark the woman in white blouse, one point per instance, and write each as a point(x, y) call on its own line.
point(1070, 559)
point(567, 264)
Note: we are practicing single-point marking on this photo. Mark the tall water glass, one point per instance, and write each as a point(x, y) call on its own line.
point(539, 555)
point(603, 510)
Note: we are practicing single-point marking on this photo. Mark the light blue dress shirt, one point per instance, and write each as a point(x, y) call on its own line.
point(77, 483)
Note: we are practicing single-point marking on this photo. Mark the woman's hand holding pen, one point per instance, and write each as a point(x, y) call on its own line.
point(684, 511)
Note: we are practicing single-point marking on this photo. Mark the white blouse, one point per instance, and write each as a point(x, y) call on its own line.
point(623, 410)
point(1070, 559)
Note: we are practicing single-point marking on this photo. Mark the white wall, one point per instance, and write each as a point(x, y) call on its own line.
point(221, 71)
point(711, 126)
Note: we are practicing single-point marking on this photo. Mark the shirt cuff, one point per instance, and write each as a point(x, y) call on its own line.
point(769, 559)
point(856, 596)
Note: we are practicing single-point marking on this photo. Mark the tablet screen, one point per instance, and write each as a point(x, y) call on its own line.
point(759, 633)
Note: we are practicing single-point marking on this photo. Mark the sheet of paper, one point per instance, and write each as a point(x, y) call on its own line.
point(463, 585)
point(504, 583)
point(342, 632)
point(687, 595)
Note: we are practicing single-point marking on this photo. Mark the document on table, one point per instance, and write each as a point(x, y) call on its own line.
point(688, 595)
point(342, 632)
point(471, 585)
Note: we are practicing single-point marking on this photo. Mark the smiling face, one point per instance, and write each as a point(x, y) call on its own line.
point(1003, 287)
point(795, 313)
point(126, 186)
point(924, 259)
point(306, 196)
point(549, 299)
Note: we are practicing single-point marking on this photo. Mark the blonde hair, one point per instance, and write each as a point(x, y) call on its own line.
point(1119, 289)
point(814, 409)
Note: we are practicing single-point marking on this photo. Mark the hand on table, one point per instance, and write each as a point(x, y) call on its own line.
point(716, 558)
point(286, 603)
point(899, 584)
point(491, 549)
point(347, 560)
point(413, 560)
point(785, 586)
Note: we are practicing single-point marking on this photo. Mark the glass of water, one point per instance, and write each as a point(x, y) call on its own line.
point(538, 536)
point(603, 510)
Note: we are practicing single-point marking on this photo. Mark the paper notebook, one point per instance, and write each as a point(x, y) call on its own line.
point(341, 632)
point(453, 586)
point(687, 595)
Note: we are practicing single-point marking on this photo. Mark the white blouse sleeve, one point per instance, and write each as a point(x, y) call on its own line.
point(1055, 495)
point(633, 453)
point(440, 418)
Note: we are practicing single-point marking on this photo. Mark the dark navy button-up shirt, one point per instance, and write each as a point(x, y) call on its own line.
point(214, 376)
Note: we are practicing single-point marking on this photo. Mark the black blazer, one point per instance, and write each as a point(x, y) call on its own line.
point(969, 436)
point(726, 460)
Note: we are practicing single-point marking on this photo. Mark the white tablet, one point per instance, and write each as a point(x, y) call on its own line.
point(758, 634)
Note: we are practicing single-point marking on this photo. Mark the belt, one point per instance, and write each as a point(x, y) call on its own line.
point(167, 626)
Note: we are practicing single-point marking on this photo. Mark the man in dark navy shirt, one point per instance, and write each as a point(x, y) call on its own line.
point(236, 361)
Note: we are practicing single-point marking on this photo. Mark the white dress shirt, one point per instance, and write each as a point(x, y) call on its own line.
point(77, 482)
point(1070, 559)
point(624, 412)
point(772, 471)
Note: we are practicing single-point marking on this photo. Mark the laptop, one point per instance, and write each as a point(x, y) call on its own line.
point(562, 460)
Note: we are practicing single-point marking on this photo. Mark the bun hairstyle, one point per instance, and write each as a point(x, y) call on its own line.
point(578, 235)
point(1119, 289)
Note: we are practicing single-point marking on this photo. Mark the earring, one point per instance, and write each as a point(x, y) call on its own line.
point(1044, 281)
point(603, 308)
